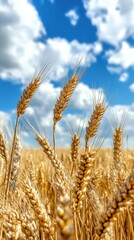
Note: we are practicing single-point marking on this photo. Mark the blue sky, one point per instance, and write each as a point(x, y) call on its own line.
point(63, 30)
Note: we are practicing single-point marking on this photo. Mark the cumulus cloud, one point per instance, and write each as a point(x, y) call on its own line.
point(114, 69)
point(114, 20)
point(84, 96)
point(67, 54)
point(73, 17)
point(123, 77)
point(122, 57)
point(20, 27)
point(21, 47)
point(4, 118)
point(131, 87)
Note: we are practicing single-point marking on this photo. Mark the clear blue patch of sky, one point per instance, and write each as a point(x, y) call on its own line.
point(9, 95)
point(53, 16)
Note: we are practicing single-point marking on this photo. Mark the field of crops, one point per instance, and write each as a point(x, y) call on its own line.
point(75, 193)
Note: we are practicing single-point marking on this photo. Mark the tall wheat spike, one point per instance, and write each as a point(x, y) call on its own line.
point(28, 93)
point(65, 96)
point(117, 142)
point(31, 89)
point(75, 151)
point(94, 122)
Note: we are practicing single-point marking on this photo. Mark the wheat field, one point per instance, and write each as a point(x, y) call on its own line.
point(75, 193)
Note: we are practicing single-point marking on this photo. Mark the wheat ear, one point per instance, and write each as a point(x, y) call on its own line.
point(3, 147)
point(31, 89)
point(94, 122)
point(82, 178)
point(117, 142)
point(61, 177)
point(41, 213)
point(11, 225)
point(15, 164)
point(120, 201)
point(28, 228)
point(75, 151)
point(65, 96)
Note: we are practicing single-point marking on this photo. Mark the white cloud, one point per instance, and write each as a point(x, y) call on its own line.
point(122, 57)
point(131, 87)
point(114, 69)
point(124, 77)
point(21, 48)
point(20, 27)
point(83, 97)
point(73, 17)
point(4, 119)
point(67, 54)
point(114, 19)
